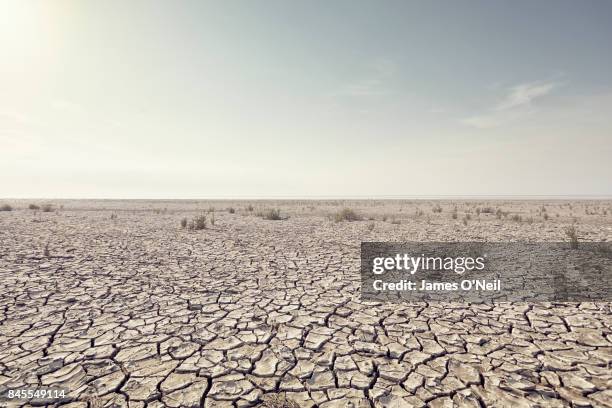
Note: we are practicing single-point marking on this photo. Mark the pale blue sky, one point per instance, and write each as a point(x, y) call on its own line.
point(178, 99)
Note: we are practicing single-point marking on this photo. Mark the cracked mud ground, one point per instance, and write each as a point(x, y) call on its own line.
point(136, 312)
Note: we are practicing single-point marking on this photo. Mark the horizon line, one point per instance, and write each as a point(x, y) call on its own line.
point(347, 197)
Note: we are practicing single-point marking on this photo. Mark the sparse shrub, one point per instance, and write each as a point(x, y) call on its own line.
point(184, 223)
point(370, 226)
point(572, 234)
point(396, 222)
point(347, 214)
point(436, 209)
point(47, 208)
point(211, 209)
point(454, 213)
point(384, 218)
point(249, 208)
point(212, 219)
point(487, 210)
point(529, 220)
point(545, 216)
point(46, 251)
point(113, 216)
point(272, 214)
point(6, 207)
point(418, 212)
point(465, 220)
point(198, 223)
point(34, 207)
point(468, 216)
point(516, 218)
point(231, 210)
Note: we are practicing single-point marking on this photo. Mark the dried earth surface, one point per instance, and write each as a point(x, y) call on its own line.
point(118, 304)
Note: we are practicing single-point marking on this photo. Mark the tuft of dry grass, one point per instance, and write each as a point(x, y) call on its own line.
point(436, 209)
point(47, 208)
point(371, 226)
point(272, 214)
point(231, 210)
point(33, 207)
point(516, 218)
point(198, 223)
point(347, 214)
point(572, 234)
point(184, 223)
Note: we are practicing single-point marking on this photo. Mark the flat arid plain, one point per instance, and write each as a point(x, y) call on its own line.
point(129, 304)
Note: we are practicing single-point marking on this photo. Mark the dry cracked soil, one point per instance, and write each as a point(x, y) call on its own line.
point(119, 305)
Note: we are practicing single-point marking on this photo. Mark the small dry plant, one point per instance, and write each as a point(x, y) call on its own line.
point(198, 223)
point(347, 214)
point(572, 234)
point(272, 214)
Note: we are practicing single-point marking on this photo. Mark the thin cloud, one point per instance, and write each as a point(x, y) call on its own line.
point(517, 102)
point(374, 83)
point(524, 94)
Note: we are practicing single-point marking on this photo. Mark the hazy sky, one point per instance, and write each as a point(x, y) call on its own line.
point(178, 99)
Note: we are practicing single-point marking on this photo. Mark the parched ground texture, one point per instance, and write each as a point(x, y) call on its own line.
point(115, 302)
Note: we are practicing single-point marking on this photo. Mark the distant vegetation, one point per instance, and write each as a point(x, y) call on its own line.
point(197, 223)
point(47, 208)
point(347, 214)
point(34, 207)
point(6, 207)
point(271, 214)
